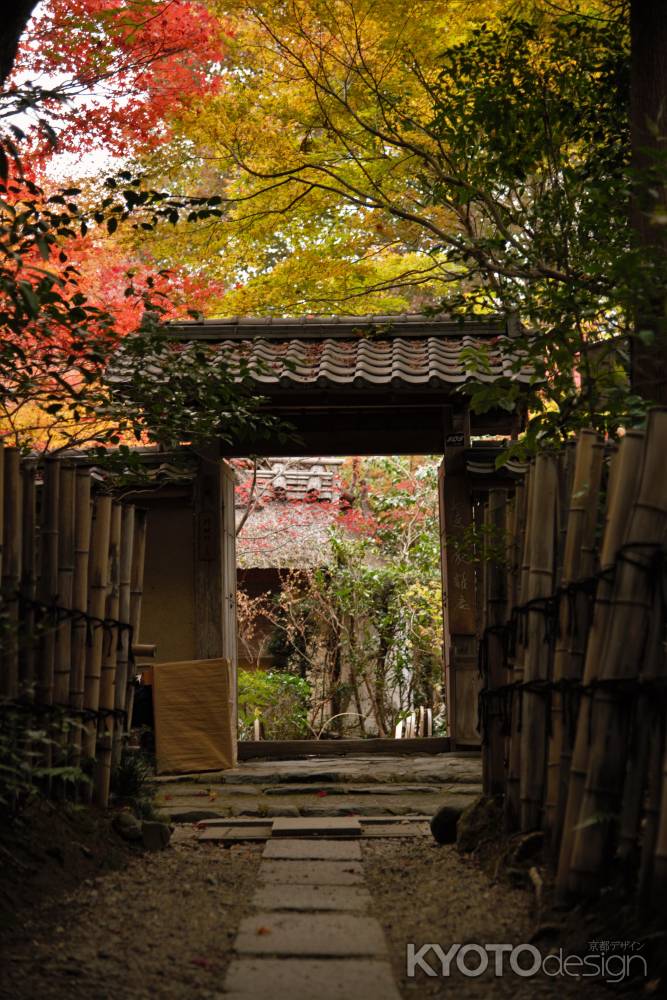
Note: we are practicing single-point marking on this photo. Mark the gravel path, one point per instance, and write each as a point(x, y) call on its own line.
point(164, 926)
point(424, 893)
point(161, 928)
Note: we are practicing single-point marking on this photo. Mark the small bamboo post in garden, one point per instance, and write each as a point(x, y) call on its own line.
point(495, 602)
point(11, 572)
point(621, 492)
point(28, 580)
point(63, 657)
point(105, 727)
point(578, 563)
point(537, 666)
point(82, 524)
point(124, 651)
point(624, 643)
point(97, 597)
point(48, 578)
point(523, 528)
point(136, 592)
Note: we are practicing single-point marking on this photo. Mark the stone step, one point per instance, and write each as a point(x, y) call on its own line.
point(348, 789)
point(310, 935)
point(307, 978)
point(291, 873)
point(184, 810)
point(323, 826)
point(312, 849)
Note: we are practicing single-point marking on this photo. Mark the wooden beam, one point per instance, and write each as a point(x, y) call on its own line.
point(293, 749)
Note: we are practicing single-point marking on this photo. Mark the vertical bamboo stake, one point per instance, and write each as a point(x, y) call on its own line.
point(63, 658)
point(622, 652)
point(11, 572)
point(495, 602)
point(82, 524)
point(513, 799)
point(651, 888)
point(541, 585)
point(566, 469)
point(97, 597)
point(48, 577)
point(105, 727)
point(621, 491)
point(28, 579)
point(125, 587)
point(646, 732)
point(578, 563)
point(136, 592)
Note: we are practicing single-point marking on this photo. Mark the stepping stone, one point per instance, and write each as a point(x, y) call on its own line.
point(235, 822)
point(310, 935)
point(322, 826)
point(304, 979)
point(396, 830)
point(309, 898)
point(311, 872)
point(234, 834)
point(393, 820)
point(304, 849)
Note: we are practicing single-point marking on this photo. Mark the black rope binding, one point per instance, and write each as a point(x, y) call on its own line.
point(499, 701)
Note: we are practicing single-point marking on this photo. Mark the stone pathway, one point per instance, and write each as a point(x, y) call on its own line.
point(316, 787)
point(310, 936)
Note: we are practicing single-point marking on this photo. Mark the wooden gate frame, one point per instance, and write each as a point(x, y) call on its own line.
point(459, 590)
point(215, 565)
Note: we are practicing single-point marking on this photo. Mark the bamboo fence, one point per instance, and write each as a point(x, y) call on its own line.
point(70, 606)
point(574, 694)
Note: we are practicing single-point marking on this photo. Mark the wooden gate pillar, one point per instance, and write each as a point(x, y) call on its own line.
point(215, 564)
point(459, 593)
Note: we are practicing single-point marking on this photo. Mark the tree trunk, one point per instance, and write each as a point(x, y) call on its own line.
point(15, 19)
point(648, 121)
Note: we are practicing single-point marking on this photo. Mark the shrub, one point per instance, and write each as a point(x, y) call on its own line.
point(279, 699)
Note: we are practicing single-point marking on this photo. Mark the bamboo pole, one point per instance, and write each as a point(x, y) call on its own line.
point(124, 599)
point(63, 653)
point(48, 578)
point(578, 563)
point(27, 667)
point(11, 572)
point(136, 592)
point(646, 732)
point(537, 666)
point(98, 567)
point(622, 653)
point(513, 795)
point(105, 728)
point(621, 491)
point(82, 525)
point(566, 470)
point(651, 883)
point(495, 603)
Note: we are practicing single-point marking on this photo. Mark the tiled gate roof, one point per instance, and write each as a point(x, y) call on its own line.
point(358, 352)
